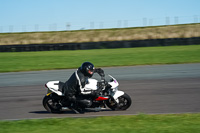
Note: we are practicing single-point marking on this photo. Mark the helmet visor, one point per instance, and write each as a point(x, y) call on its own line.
point(91, 71)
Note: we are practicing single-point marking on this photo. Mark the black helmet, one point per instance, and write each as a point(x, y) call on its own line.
point(87, 69)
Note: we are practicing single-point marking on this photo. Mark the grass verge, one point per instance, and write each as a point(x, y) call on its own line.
point(29, 61)
point(169, 123)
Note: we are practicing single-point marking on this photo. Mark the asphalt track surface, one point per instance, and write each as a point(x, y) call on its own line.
point(154, 89)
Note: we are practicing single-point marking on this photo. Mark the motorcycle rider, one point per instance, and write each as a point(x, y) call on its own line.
point(74, 88)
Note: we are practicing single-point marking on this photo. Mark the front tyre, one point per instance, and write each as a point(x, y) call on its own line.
point(124, 102)
point(51, 105)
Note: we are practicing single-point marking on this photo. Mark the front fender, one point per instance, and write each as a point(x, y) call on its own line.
point(118, 94)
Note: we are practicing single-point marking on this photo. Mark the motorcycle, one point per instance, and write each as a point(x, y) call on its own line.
point(109, 96)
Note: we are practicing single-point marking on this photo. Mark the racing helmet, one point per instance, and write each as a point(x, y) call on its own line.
point(87, 69)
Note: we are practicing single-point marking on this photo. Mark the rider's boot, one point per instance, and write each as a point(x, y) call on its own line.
point(80, 105)
point(76, 108)
point(84, 103)
point(75, 105)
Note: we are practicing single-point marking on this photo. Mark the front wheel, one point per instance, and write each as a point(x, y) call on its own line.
point(51, 105)
point(124, 102)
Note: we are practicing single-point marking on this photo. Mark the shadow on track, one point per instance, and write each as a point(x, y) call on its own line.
point(70, 111)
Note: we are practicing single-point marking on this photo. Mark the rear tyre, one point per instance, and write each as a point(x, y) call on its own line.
point(123, 104)
point(51, 105)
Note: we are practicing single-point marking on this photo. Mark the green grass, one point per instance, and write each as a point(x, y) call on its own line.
point(47, 60)
point(170, 123)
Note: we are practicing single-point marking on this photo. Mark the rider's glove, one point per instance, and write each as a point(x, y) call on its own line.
point(100, 72)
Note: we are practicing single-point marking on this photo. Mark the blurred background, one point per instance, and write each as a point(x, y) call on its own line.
point(66, 15)
point(81, 25)
point(73, 25)
point(64, 21)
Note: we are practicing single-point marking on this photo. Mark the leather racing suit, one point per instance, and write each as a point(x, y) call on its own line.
point(73, 89)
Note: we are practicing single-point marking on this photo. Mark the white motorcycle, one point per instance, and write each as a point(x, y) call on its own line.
point(109, 96)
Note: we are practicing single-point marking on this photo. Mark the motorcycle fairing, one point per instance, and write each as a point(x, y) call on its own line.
point(113, 83)
point(91, 85)
point(101, 98)
point(117, 94)
point(54, 87)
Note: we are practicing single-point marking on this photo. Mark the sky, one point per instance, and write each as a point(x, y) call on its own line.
point(47, 15)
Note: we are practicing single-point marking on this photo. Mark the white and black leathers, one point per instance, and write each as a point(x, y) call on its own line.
point(75, 85)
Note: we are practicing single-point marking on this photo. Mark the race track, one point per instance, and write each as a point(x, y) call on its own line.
point(154, 89)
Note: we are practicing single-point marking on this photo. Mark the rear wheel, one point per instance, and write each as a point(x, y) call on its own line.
point(124, 102)
point(51, 105)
